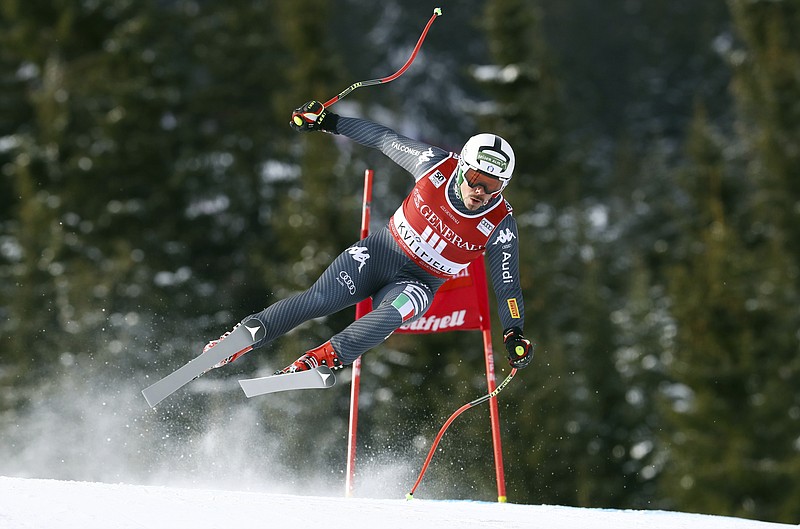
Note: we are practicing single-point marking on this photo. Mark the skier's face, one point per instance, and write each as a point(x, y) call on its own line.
point(489, 183)
point(474, 197)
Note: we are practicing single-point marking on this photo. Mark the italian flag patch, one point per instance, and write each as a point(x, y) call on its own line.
point(404, 306)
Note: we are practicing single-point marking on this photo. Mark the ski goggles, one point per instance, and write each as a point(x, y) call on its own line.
point(475, 178)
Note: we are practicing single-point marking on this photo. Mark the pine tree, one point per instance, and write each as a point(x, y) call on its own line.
point(728, 451)
point(137, 167)
point(734, 408)
point(767, 88)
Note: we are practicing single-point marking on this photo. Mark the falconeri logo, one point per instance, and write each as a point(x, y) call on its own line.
point(406, 149)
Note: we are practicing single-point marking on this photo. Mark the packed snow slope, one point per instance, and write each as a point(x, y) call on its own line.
point(45, 504)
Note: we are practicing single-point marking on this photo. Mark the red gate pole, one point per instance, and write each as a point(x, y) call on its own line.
point(362, 308)
point(491, 381)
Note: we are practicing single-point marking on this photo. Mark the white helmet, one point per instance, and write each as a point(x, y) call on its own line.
point(490, 154)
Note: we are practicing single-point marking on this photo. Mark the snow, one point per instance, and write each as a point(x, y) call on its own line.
point(88, 453)
point(27, 503)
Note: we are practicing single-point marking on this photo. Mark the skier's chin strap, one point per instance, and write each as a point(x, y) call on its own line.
point(459, 180)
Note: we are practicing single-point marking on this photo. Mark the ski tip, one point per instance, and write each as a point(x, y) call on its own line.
point(245, 389)
point(149, 403)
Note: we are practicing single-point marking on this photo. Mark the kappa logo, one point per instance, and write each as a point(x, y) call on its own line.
point(504, 236)
point(360, 254)
point(425, 156)
point(417, 199)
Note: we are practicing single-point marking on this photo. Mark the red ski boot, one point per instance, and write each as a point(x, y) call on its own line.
point(324, 355)
point(231, 358)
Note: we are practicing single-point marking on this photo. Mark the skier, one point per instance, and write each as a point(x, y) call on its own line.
point(453, 214)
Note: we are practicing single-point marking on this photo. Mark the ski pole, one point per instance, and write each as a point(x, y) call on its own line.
point(449, 421)
point(437, 12)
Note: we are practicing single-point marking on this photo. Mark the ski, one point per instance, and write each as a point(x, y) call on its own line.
point(242, 337)
point(319, 378)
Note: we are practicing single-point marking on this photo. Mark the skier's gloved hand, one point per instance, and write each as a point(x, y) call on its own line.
point(313, 116)
point(519, 348)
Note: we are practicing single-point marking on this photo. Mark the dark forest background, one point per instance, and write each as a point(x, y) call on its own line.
point(152, 194)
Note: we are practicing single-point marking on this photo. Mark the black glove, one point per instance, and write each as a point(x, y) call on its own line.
point(519, 348)
point(313, 116)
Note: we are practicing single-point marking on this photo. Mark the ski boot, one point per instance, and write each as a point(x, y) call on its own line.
point(231, 358)
point(324, 355)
